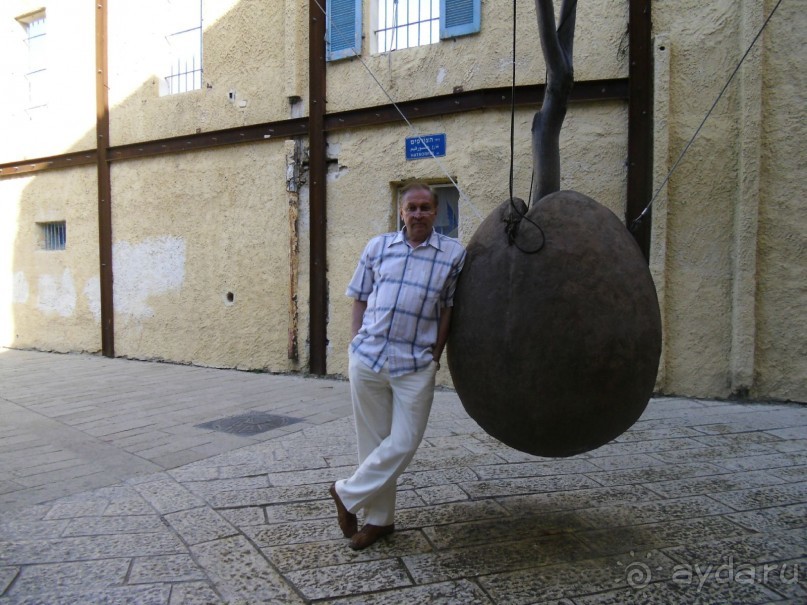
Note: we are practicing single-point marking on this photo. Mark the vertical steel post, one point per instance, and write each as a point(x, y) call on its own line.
point(318, 292)
point(104, 181)
point(640, 121)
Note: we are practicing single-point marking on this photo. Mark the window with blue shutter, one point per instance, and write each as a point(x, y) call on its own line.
point(459, 17)
point(343, 31)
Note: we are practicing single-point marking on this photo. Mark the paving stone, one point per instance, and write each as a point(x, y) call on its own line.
point(509, 487)
point(711, 485)
point(200, 525)
point(626, 448)
point(298, 477)
point(268, 495)
point(88, 547)
point(206, 489)
point(7, 575)
point(436, 477)
point(96, 526)
point(189, 473)
point(794, 474)
point(538, 504)
point(294, 533)
point(449, 593)
point(429, 459)
point(308, 555)
point(241, 574)
point(788, 578)
point(128, 595)
point(442, 494)
point(253, 515)
point(298, 511)
point(487, 559)
point(664, 593)
point(766, 461)
point(79, 508)
point(353, 579)
point(498, 529)
point(128, 506)
point(773, 519)
point(656, 474)
point(193, 593)
point(451, 513)
point(744, 550)
point(763, 497)
point(659, 535)
point(570, 580)
point(167, 496)
point(654, 511)
point(535, 469)
point(26, 530)
point(66, 577)
point(164, 568)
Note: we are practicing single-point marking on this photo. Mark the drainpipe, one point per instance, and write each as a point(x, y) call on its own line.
point(317, 190)
point(640, 121)
point(104, 181)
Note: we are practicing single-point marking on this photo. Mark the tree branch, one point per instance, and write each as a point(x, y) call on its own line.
point(546, 125)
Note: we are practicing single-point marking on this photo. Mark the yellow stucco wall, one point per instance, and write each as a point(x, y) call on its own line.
point(53, 300)
point(728, 252)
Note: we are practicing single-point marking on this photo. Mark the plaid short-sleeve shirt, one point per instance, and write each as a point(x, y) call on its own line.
point(405, 288)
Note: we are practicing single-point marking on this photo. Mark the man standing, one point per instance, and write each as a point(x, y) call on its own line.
point(403, 291)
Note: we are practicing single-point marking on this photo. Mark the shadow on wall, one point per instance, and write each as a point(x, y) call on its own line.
point(53, 294)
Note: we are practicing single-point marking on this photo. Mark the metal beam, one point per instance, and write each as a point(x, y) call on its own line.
point(640, 121)
point(104, 181)
point(459, 102)
point(317, 167)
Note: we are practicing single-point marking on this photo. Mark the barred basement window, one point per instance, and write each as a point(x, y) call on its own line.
point(53, 236)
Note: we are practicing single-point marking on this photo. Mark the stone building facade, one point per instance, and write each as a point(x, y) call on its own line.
point(159, 193)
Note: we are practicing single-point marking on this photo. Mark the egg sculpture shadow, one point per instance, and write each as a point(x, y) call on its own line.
point(555, 353)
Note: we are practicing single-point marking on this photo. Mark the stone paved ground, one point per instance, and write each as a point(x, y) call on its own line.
point(111, 494)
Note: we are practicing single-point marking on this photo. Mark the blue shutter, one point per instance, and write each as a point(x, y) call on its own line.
point(459, 17)
point(343, 31)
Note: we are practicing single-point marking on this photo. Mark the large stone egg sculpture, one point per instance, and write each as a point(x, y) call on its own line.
point(555, 353)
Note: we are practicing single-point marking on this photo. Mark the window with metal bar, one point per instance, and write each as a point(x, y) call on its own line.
point(184, 44)
point(406, 23)
point(53, 236)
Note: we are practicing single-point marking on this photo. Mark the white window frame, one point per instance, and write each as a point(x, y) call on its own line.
point(400, 24)
point(34, 26)
point(183, 42)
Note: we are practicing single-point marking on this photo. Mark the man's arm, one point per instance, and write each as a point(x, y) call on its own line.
point(442, 333)
point(359, 307)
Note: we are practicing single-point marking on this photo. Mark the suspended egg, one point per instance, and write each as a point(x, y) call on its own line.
point(554, 353)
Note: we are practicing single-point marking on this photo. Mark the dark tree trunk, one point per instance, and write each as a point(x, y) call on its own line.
point(557, 49)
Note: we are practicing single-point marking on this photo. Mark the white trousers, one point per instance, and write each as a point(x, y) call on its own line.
point(391, 413)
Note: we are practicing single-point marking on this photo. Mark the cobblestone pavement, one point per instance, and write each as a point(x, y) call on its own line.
point(112, 493)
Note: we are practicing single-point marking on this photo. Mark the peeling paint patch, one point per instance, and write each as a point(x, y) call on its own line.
point(441, 75)
point(57, 295)
point(19, 288)
point(153, 267)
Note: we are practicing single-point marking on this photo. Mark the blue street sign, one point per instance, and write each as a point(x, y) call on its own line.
point(418, 147)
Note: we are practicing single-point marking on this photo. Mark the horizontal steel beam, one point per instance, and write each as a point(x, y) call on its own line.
point(458, 102)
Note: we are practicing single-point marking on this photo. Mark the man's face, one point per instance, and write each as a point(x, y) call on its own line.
point(418, 212)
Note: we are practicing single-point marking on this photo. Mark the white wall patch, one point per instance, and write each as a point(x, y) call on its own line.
point(153, 267)
point(19, 288)
point(57, 296)
point(92, 292)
